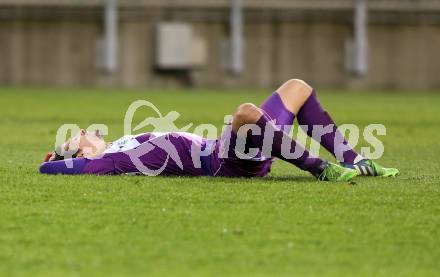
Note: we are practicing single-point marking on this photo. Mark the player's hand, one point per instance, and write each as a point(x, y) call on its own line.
point(49, 157)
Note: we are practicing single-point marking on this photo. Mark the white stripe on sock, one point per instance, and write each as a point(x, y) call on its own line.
point(358, 159)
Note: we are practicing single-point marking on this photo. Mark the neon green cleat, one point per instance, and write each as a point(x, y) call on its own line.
point(368, 167)
point(336, 173)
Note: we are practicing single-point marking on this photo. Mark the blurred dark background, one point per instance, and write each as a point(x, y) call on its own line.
point(347, 44)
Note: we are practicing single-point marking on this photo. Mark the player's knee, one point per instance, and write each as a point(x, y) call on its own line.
point(247, 113)
point(296, 86)
point(298, 83)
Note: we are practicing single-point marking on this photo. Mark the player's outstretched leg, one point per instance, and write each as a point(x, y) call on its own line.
point(301, 99)
point(323, 170)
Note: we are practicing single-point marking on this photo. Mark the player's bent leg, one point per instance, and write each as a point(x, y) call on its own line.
point(312, 114)
point(297, 97)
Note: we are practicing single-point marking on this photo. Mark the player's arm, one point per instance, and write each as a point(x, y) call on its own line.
point(68, 166)
point(98, 166)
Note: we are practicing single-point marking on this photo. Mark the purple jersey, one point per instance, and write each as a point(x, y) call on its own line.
point(149, 153)
point(178, 153)
point(162, 154)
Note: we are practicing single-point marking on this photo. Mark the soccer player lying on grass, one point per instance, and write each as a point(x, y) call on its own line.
point(92, 155)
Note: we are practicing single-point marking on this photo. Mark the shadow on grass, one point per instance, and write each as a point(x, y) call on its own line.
point(159, 180)
point(213, 180)
point(290, 178)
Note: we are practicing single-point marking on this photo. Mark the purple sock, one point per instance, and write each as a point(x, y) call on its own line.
point(311, 114)
point(304, 160)
point(273, 108)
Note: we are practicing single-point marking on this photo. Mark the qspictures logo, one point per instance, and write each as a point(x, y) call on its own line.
point(164, 128)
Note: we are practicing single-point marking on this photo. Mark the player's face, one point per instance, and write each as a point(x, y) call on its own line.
point(86, 143)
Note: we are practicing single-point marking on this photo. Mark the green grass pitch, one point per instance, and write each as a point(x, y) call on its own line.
point(282, 225)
